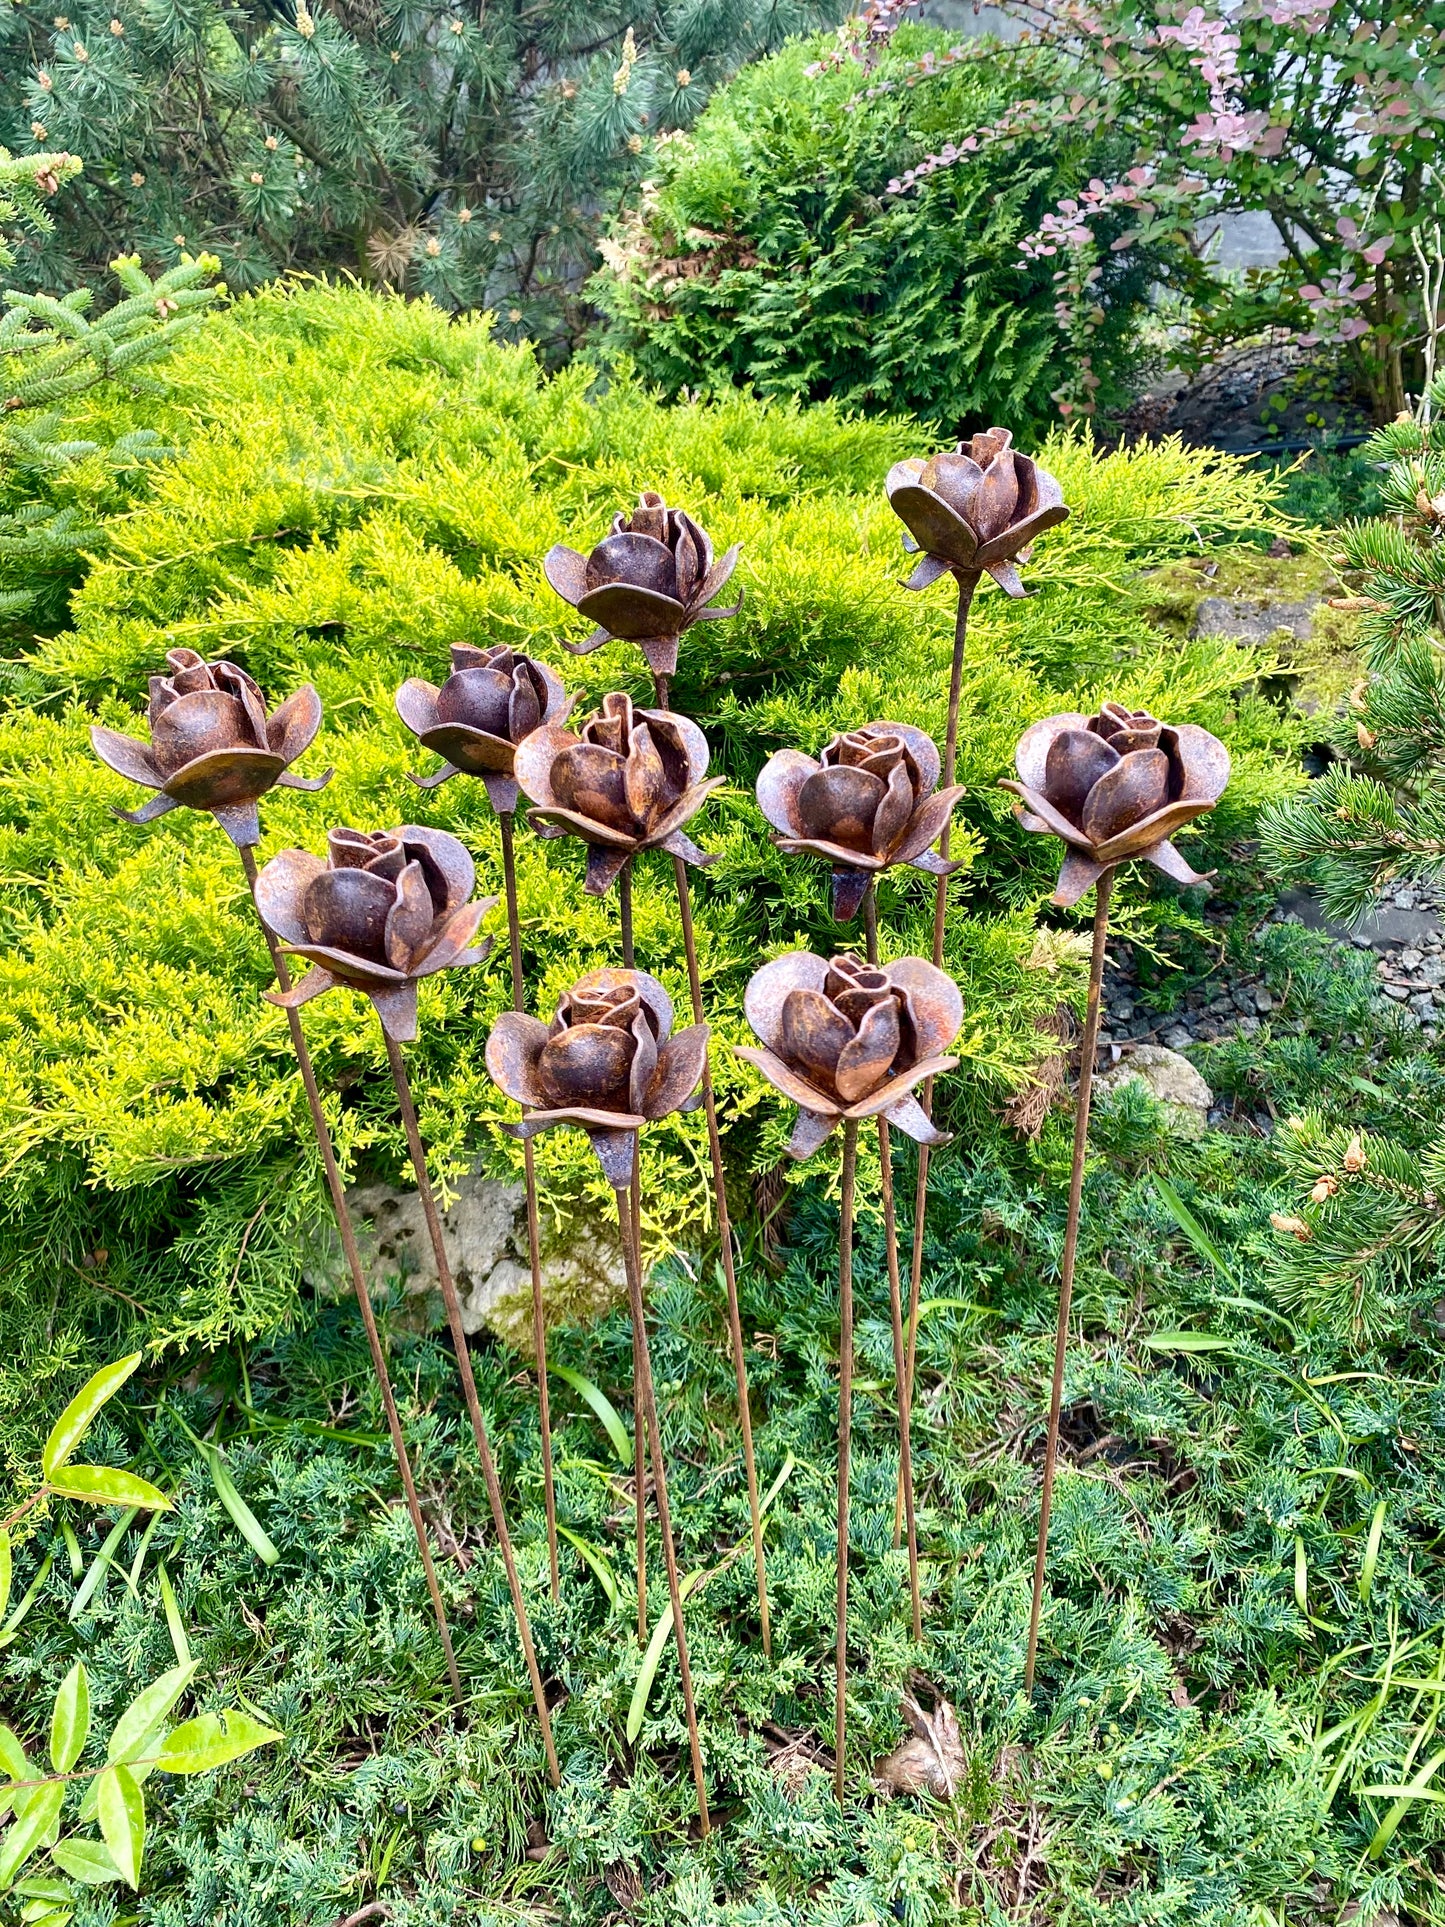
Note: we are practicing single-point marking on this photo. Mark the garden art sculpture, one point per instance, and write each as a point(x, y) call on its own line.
point(850, 1040)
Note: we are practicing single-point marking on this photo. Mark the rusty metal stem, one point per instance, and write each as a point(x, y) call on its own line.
point(626, 1219)
point(1088, 1049)
point(453, 1306)
point(534, 1244)
point(967, 585)
point(634, 1205)
point(344, 1225)
point(725, 1237)
point(845, 1436)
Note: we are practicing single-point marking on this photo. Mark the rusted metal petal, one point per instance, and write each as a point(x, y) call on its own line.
point(650, 517)
point(126, 756)
point(770, 984)
point(239, 774)
point(848, 889)
point(396, 1008)
point(446, 946)
point(682, 811)
point(687, 558)
point(1159, 824)
point(292, 728)
point(533, 760)
point(317, 981)
point(586, 1065)
point(1204, 761)
point(811, 1132)
point(937, 529)
point(678, 843)
point(446, 863)
point(894, 812)
point(779, 783)
point(197, 725)
point(866, 1059)
point(840, 804)
point(835, 853)
point(927, 824)
point(566, 570)
point(1076, 760)
point(514, 1050)
point(995, 500)
point(812, 1036)
point(502, 792)
point(416, 704)
point(1031, 755)
point(592, 782)
point(918, 745)
point(617, 1154)
point(1175, 866)
point(524, 710)
point(645, 786)
point(610, 982)
point(604, 865)
point(680, 1066)
point(478, 697)
point(715, 578)
point(347, 966)
point(409, 921)
point(680, 743)
point(986, 443)
point(927, 571)
point(638, 561)
point(644, 1063)
point(783, 1078)
point(1020, 537)
point(879, 1102)
point(1133, 789)
point(934, 1000)
point(472, 750)
point(347, 911)
point(281, 892)
point(955, 478)
point(1039, 810)
point(909, 1116)
point(1078, 873)
point(158, 806)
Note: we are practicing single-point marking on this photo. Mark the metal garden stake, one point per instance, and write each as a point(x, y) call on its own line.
point(1112, 786)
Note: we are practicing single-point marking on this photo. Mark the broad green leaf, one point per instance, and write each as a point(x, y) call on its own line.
point(1194, 1231)
point(47, 1913)
point(211, 1740)
point(1187, 1342)
point(70, 1722)
point(1407, 1796)
point(120, 1808)
point(100, 1565)
point(15, 1763)
point(602, 1572)
point(107, 1485)
point(6, 1571)
point(1301, 1577)
point(604, 1408)
point(13, 1623)
point(652, 1659)
point(789, 1466)
point(29, 1829)
point(180, 1644)
point(74, 1422)
point(42, 1888)
point(1372, 1550)
point(246, 1522)
point(85, 1860)
point(145, 1713)
point(930, 1305)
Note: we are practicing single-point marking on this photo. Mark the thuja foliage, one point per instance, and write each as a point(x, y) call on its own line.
point(362, 482)
point(764, 248)
point(56, 487)
point(1241, 1648)
point(460, 152)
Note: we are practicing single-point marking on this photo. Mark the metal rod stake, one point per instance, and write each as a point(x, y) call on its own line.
point(626, 1218)
point(845, 1431)
point(1088, 1051)
point(534, 1246)
point(337, 1188)
point(453, 1306)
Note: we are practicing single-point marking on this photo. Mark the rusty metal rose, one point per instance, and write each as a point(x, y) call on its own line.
point(845, 1039)
point(608, 1062)
point(213, 746)
point(627, 781)
point(866, 803)
point(386, 908)
point(646, 582)
point(977, 507)
point(491, 700)
point(1114, 786)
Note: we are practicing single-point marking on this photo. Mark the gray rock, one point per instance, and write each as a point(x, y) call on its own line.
point(1432, 971)
point(1170, 1078)
point(1410, 959)
point(1247, 1026)
point(485, 1235)
point(1177, 1038)
point(1400, 992)
point(1423, 1005)
point(1255, 621)
point(1263, 1001)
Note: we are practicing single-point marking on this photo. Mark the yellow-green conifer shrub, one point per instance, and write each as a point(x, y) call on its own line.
point(362, 481)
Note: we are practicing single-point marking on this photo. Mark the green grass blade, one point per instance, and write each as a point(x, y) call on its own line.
point(602, 1572)
point(179, 1643)
point(1405, 1799)
point(1195, 1234)
point(1372, 1550)
point(602, 1405)
point(242, 1517)
point(100, 1565)
point(652, 1659)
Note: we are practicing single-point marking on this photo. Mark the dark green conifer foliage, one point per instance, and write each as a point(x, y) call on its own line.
point(456, 150)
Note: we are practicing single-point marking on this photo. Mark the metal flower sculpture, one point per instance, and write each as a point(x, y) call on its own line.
point(1115, 786)
point(608, 1062)
point(492, 700)
point(213, 746)
point(975, 508)
point(868, 802)
point(386, 908)
point(627, 782)
point(847, 1040)
point(646, 582)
